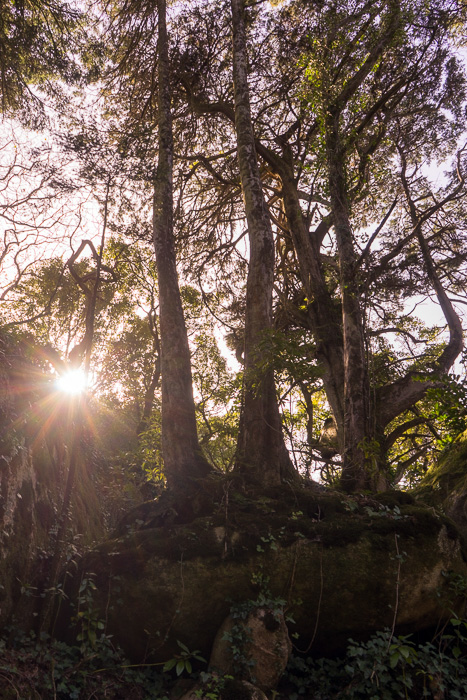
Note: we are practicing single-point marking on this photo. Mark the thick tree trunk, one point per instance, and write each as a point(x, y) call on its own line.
point(325, 318)
point(180, 448)
point(262, 456)
point(357, 463)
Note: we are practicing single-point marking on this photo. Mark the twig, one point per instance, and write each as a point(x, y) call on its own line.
point(318, 612)
point(398, 580)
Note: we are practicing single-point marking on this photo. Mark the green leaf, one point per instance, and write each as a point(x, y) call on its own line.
point(168, 666)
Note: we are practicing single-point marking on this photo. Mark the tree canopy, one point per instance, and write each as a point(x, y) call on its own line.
point(278, 188)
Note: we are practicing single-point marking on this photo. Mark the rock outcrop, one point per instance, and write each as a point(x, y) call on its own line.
point(344, 566)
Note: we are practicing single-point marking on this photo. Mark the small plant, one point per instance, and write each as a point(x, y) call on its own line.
point(458, 636)
point(267, 542)
point(87, 617)
point(182, 661)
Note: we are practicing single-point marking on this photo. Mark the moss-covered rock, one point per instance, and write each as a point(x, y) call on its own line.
point(445, 484)
point(450, 472)
point(346, 566)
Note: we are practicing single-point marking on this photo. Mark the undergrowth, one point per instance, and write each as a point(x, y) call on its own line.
point(42, 668)
point(382, 668)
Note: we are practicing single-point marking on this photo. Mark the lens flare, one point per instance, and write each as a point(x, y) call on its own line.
point(72, 382)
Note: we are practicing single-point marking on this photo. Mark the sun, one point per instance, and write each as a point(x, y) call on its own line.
point(72, 382)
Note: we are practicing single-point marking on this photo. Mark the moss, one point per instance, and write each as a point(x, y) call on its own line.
point(450, 473)
point(178, 581)
point(395, 498)
point(244, 528)
point(452, 531)
point(191, 541)
point(334, 534)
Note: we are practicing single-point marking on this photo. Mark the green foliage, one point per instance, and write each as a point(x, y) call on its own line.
point(457, 587)
point(92, 668)
point(443, 417)
point(183, 660)
point(291, 355)
point(449, 407)
point(127, 366)
point(217, 394)
point(86, 618)
point(148, 455)
point(35, 36)
point(386, 667)
point(51, 290)
point(41, 668)
point(213, 686)
point(238, 636)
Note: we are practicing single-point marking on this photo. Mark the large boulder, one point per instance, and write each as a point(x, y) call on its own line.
point(253, 645)
point(343, 566)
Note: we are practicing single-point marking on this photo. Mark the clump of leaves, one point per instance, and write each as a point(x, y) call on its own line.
point(183, 660)
point(386, 667)
point(40, 668)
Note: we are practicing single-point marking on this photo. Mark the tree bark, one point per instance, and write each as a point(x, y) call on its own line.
point(325, 318)
point(180, 448)
point(262, 456)
point(356, 473)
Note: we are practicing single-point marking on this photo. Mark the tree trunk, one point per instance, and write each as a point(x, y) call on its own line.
point(261, 453)
point(324, 317)
point(180, 447)
point(150, 392)
point(358, 462)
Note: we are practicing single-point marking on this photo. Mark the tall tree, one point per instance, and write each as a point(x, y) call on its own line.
point(336, 88)
point(356, 390)
point(340, 94)
point(180, 447)
point(262, 455)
